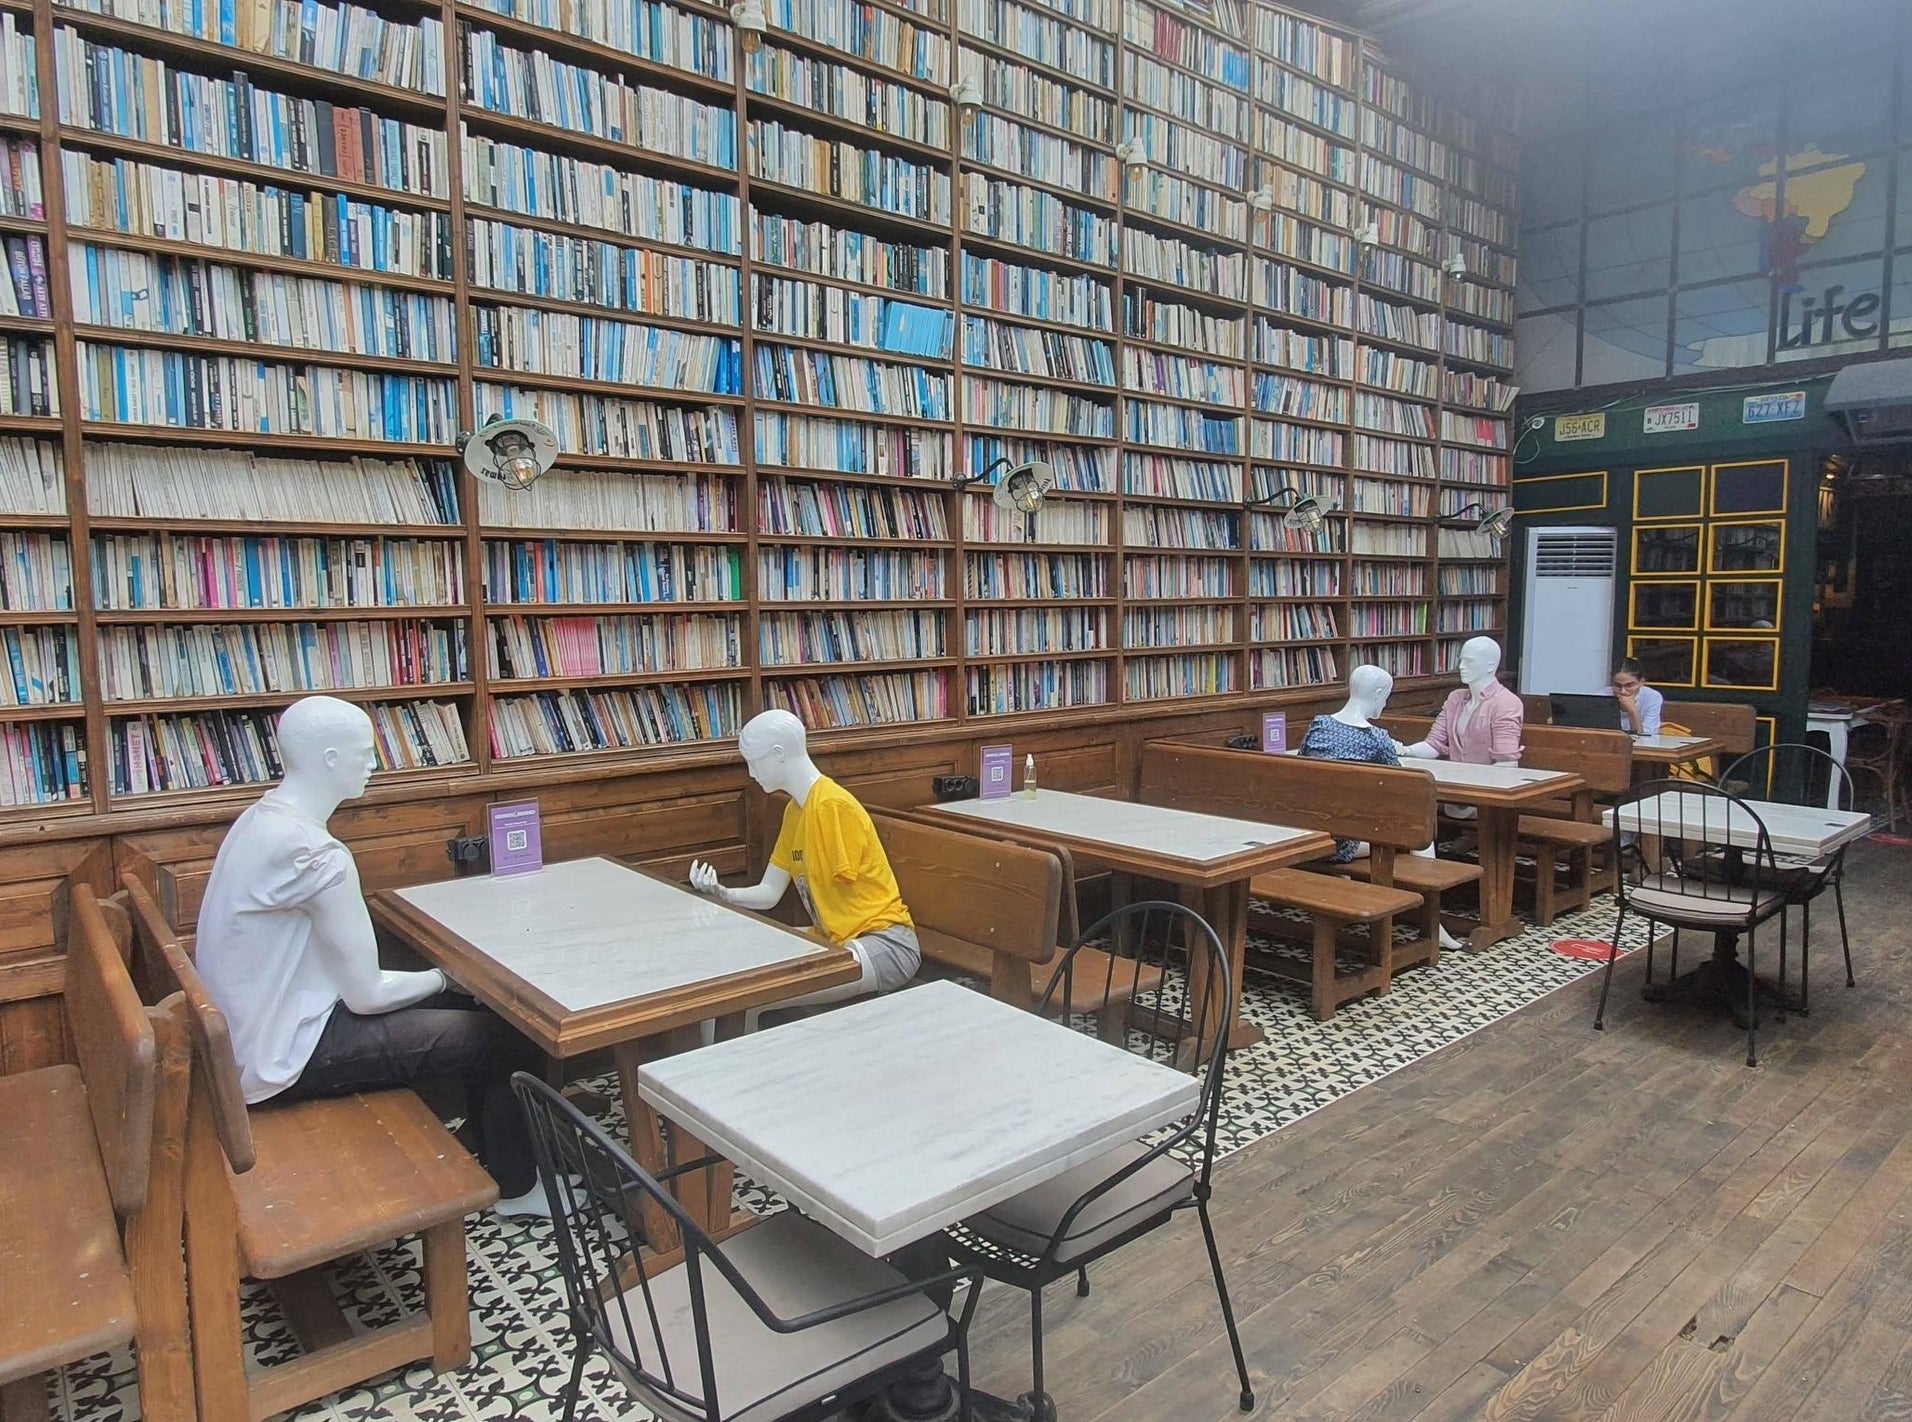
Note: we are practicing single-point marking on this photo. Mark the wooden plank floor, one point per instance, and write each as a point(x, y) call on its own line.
point(1545, 1222)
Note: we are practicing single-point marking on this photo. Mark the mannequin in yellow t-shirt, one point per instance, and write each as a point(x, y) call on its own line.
point(829, 849)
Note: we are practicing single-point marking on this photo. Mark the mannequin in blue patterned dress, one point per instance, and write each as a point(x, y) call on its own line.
point(1350, 734)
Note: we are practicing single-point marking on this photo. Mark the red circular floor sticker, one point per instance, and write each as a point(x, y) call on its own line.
point(1596, 948)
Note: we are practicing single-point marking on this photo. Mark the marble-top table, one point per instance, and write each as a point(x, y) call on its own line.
point(1835, 718)
point(1499, 793)
point(1210, 858)
point(587, 954)
point(890, 1118)
point(1673, 750)
point(1801, 831)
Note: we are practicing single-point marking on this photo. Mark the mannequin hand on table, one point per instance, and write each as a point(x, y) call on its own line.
point(703, 878)
point(762, 896)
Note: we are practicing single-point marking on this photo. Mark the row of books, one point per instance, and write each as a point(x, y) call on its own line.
point(1480, 392)
point(1013, 687)
point(23, 289)
point(1301, 399)
point(1150, 190)
point(1413, 191)
point(1395, 371)
point(524, 648)
point(518, 338)
point(624, 718)
point(885, 699)
point(1483, 431)
point(1170, 323)
point(1024, 630)
point(834, 168)
point(1471, 617)
point(1029, 577)
point(1467, 466)
point(1034, 409)
point(624, 429)
point(236, 215)
point(1181, 675)
point(1204, 529)
point(848, 94)
point(1401, 417)
point(850, 447)
point(114, 91)
point(550, 570)
point(1299, 444)
point(613, 503)
point(1397, 659)
point(1078, 468)
point(662, 33)
point(1310, 242)
point(42, 764)
point(507, 256)
point(813, 638)
point(144, 663)
point(1293, 622)
point(1174, 262)
point(869, 32)
point(197, 751)
point(1175, 91)
point(1020, 88)
point(1478, 344)
point(135, 572)
point(1403, 144)
point(1284, 142)
point(1012, 289)
point(1398, 323)
point(1269, 533)
point(1307, 46)
point(1273, 669)
point(530, 84)
point(848, 255)
point(1043, 157)
point(1176, 378)
point(847, 382)
point(1038, 351)
point(1401, 273)
point(27, 384)
point(342, 39)
point(809, 509)
point(1388, 540)
point(190, 391)
point(1281, 287)
point(1169, 576)
point(1273, 577)
point(1170, 477)
point(530, 182)
point(32, 480)
point(41, 666)
point(1387, 580)
point(1165, 627)
point(22, 188)
point(1040, 221)
point(1187, 149)
point(1057, 521)
point(1174, 427)
point(1302, 350)
point(1306, 100)
point(805, 574)
point(181, 296)
point(19, 69)
point(1384, 496)
point(1470, 581)
point(1037, 33)
point(1466, 543)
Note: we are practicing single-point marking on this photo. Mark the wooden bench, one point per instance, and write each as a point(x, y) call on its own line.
point(1566, 836)
point(1393, 810)
point(1432, 879)
point(90, 1190)
point(277, 1193)
point(959, 927)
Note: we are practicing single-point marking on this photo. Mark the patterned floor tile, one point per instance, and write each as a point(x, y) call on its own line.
point(520, 1348)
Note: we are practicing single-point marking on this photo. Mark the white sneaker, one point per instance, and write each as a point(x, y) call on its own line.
point(532, 1204)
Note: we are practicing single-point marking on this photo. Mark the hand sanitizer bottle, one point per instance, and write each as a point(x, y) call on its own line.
point(1029, 777)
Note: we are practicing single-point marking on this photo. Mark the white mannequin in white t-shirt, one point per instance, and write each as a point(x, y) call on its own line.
point(1368, 690)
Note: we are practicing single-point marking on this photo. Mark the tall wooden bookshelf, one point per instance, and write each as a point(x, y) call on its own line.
point(269, 258)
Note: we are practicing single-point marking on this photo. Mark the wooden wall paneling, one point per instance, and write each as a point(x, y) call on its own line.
point(661, 821)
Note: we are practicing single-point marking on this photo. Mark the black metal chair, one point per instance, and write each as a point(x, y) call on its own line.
point(1180, 1019)
point(779, 1322)
point(1705, 881)
point(1796, 775)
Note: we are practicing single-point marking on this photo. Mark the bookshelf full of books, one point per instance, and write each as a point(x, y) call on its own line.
point(791, 299)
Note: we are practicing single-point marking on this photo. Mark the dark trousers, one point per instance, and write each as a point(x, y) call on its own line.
point(444, 1038)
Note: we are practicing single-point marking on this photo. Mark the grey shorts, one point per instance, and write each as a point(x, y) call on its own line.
point(890, 956)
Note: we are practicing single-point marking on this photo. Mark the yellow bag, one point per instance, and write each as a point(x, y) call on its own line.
point(1700, 768)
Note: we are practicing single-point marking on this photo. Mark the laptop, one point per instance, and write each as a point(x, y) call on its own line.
point(1587, 713)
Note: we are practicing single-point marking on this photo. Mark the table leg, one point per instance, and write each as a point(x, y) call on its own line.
point(1495, 830)
point(704, 1194)
point(1838, 733)
point(1721, 982)
point(1225, 907)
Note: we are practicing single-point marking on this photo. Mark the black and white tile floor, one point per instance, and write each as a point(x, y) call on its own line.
point(520, 1349)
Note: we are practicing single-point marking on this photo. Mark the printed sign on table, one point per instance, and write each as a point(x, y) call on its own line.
point(997, 761)
point(517, 844)
point(1274, 733)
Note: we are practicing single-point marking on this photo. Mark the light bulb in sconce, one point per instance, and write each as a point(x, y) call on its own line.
point(1370, 235)
point(967, 93)
point(751, 23)
point(1455, 265)
point(1262, 199)
point(1132, 154)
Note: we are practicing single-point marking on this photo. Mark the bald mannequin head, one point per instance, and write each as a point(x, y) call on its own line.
point(776, 750)
point(328, 750)
point(1479, 661)
point(1368, 690)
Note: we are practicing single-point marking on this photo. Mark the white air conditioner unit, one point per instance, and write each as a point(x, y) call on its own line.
point(1566, 640)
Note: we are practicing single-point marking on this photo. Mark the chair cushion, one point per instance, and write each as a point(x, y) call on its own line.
point(796, 1266)
point(59, 1241)
point(1670, 899)
point(1027, 1222)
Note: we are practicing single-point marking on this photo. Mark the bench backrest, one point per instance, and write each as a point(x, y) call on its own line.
point(970, 895)
point(166, 966)
point(1375, 803)
point(1734, 725)
point(116, 1050)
